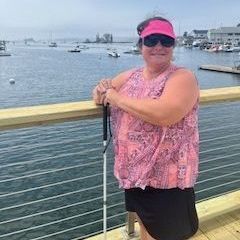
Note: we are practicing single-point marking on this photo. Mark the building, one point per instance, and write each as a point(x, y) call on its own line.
point(225, 35)
point(199, 34)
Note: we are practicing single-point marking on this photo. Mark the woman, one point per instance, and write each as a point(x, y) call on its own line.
point(154, 116)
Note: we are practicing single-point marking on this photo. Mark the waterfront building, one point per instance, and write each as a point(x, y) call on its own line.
point(199, 34)
point(225, 35)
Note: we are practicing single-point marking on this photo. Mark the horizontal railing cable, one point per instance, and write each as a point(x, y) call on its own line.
point(50, 144)
point(47, 172)
point(217, 186)
point(117, 215)
point(220, 128)
point(220, 167)
point(218, 195)
point(54, 222)
point(52, 210)
point(222, 105)
point(218, 177)
point(60, 196)
point(50, 198)
point(212, 119)
point(219, 138)
point(67, 230)
point(219, 148)
point(84, 225)
point(40, 187)
point(217, 158)
point(46, 159)
point(47, 224)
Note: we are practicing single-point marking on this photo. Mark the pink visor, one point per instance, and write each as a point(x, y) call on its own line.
point(158, 26)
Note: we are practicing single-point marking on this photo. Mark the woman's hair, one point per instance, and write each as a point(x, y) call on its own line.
point(141, 26)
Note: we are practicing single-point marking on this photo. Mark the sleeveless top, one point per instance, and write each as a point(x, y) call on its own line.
point(151, 155)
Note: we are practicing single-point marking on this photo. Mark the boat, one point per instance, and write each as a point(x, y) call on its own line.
point(53, 44)
point(134, 50)
point(113, 53)
point(196, 43)
point(83, 47)
point(213, 48)
point(75, 50)
point(3, 49)
point(236, 48)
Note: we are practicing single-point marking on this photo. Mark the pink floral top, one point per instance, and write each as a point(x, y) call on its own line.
point(150, 155)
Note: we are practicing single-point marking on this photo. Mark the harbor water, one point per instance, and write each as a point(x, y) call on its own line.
point(33, 160)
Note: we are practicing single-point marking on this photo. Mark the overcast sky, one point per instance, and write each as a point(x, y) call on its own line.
point(84, 18)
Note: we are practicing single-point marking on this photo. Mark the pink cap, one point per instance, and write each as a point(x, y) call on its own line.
point(158, 26)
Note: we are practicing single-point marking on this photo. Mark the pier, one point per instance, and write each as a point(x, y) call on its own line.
point(29, 208)
point(219, 220)
point(219, 68)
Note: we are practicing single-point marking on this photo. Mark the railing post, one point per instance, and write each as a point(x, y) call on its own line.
point(130, 221)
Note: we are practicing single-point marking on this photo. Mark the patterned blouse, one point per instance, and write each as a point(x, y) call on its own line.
point(151, 155)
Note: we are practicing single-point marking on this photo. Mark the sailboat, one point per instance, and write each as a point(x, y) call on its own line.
point(52, 43)
point(3, 49)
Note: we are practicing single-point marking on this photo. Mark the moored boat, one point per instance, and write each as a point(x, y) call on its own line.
point(3, 49)
point(53, 44)
point(113, 53)
point(75, 50)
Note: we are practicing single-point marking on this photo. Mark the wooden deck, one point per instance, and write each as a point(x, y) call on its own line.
point(219, 220)
point(220, 68)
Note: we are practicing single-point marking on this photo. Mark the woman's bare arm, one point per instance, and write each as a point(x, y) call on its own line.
point(100, 90)
point(178, 98)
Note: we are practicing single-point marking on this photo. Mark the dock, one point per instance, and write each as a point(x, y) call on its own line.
point(219, 219)
point(219, 68)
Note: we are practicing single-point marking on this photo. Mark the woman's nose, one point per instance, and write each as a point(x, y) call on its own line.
point(159, 45)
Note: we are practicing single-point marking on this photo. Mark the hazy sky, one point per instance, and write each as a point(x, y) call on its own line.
point(84, 18)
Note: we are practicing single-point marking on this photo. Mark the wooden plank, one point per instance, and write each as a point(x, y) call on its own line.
point(219, 94)
point(220, 68)
point(216, 231)
point(236, 215)
point(47, 114)
point(199, 236)
point(55, 113)
point(230, 223)
point(218, 206)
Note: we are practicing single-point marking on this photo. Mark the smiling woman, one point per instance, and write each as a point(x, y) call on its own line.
point(154, 114)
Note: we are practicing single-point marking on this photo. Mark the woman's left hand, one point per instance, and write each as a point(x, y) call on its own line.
point(112, 97)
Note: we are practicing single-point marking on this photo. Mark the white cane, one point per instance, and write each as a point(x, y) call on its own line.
point(105, 115)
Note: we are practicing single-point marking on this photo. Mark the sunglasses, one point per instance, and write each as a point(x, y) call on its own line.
point(153, 39)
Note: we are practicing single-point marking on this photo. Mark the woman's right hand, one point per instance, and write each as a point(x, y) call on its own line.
point(99, 92)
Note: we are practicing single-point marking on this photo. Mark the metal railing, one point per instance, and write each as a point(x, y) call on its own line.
point(51, 176)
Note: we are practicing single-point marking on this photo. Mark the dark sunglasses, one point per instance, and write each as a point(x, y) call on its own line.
point(153, 39)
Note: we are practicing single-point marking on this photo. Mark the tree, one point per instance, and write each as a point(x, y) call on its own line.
point(238, 25)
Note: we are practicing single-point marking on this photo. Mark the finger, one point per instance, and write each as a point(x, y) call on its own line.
point(101, 89)
point(102, 98)
point(106, 83)
point(105, 101)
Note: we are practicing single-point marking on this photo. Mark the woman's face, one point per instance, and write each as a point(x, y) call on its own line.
point(157, 55)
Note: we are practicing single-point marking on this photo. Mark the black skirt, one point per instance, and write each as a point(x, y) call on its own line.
point(167, 214)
